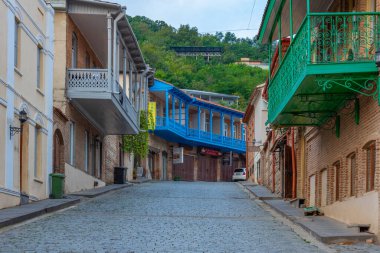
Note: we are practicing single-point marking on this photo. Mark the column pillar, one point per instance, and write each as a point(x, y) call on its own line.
point(199, 121)
point(130, 73)
point(222, 124)
point(166, 108)
point(232, 126)
point(291, 19)
point(124, 71)
point(180, 111)
point(211, 114)
point(173, 107)
point(109, 51)
point(187, 117)
point(242, 131)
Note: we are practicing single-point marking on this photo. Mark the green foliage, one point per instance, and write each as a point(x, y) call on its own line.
point(219, 75)
point(138, 144)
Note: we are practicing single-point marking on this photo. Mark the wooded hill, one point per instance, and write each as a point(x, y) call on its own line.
point(219, 75)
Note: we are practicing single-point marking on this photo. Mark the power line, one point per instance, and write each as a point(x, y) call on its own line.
point(250, 19)
point(232, 30)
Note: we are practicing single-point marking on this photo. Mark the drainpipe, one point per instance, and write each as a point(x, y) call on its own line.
point(294, 169)
point(142, 82)
point(118, 18)
point(109, 51)
point(273, 165)
point(139, 96)
point(146, 88)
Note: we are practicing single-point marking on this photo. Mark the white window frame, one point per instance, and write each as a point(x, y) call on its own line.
point(86, 139)
point(72, 143)
point(36, 133)
point(16, 45)
point(74, 50)
point(39, 58)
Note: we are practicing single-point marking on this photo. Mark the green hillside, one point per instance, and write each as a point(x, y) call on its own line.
point(218, 75)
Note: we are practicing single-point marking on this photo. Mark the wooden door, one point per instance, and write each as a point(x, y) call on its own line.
point(288, 173)
point(184, 171)
point(207, 168)
point(324, 188)
point(312, 190)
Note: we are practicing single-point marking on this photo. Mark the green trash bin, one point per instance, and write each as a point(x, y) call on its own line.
point(57, 185)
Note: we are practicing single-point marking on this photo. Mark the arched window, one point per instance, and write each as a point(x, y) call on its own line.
point(337, 180)
point(74, 50)
point(58, 153)
point(370, 150)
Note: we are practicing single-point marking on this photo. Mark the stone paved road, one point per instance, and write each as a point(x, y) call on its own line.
point(160, 217)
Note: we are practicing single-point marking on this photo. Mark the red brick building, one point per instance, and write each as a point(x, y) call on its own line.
point(100, 78)
point(323, 108)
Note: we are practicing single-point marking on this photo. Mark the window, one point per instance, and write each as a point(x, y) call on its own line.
point(88, 61)
point(225, 129)
point(207, 123)
point(370, 166)
point(337, 181)
point(72, 144)
point(37, 152)
point(17, 42)
point(352, 174)
point(74, 49)
point(86, 140)
point(39, 66)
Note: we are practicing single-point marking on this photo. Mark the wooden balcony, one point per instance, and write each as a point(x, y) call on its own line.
point(104, 103)
point(328, 63)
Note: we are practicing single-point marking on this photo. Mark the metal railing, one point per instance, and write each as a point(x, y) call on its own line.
point(323, 38)
point(198, 135)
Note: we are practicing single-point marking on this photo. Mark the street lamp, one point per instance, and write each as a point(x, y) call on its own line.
point(378, 58)
point(23, 117)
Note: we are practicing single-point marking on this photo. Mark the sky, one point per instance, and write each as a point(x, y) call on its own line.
point(208, 16)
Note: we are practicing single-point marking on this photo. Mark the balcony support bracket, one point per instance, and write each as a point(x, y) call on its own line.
point(366, 86)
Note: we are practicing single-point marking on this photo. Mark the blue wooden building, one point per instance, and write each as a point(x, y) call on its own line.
point(212, 134)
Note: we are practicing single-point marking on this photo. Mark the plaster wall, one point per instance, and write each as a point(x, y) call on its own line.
point(361, 210)
point(8, 200)
point(77, 180)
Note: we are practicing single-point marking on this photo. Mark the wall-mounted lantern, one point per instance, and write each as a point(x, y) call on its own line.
point(23, 117)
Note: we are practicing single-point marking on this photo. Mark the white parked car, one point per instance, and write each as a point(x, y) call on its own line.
point(239, 175)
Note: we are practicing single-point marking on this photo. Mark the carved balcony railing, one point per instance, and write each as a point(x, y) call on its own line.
point(196, 135)
point(88, 79)
point(323, 39)
point(96, 81)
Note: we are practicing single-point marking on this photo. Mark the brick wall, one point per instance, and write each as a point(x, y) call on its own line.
point(110, 144)
point(250, 136)
point(83, 48)
point(325, 149)
point(111, 154)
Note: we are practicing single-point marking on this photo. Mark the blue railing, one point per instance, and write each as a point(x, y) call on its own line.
point(199, 135)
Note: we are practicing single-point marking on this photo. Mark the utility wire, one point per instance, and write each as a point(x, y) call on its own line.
point(233, 30)
point(250, 19)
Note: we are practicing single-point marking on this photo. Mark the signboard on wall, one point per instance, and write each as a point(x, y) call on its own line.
point(178, 155)
point(211, 152)
point(152, 115)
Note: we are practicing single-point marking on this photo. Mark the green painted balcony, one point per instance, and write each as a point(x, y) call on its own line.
point(329, 61)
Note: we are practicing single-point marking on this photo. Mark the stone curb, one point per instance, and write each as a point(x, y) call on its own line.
point(20, 214)
point(35, 213)
point(99, 191)
point(296, 220)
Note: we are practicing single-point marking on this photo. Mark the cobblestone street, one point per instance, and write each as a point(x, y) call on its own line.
point(161, 217)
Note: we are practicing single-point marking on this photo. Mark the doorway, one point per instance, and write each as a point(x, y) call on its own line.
point(288, 173)
point(324, 187)
point(312, 190)
point(164, 165)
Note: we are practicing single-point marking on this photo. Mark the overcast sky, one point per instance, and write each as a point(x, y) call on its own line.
point(207, 15)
